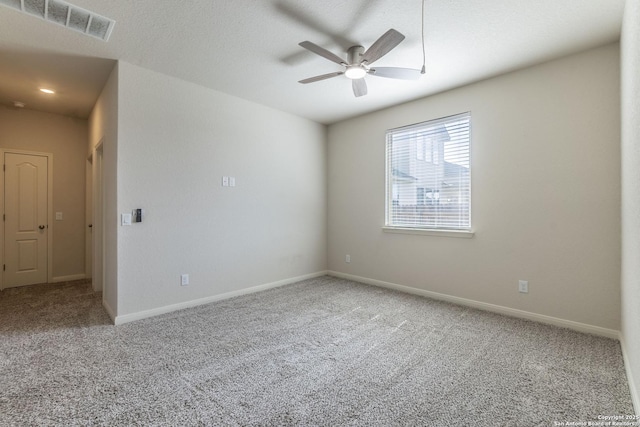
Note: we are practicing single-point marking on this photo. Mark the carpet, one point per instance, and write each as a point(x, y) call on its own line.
point(322, 352)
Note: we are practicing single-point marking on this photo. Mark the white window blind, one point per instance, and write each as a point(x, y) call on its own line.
point(429, 174)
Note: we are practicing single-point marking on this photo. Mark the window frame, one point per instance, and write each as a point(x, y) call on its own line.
point(424, 230)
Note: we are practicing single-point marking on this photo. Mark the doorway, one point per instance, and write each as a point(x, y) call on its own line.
point(26, 197)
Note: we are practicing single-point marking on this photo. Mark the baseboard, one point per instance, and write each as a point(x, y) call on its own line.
point(70, 278)
point(635, 397)
point(119, 320)
point(569, 324)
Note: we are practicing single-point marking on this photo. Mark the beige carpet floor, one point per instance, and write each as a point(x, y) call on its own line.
point(323, 352)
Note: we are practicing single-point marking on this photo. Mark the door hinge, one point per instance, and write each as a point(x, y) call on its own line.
point(4, 267)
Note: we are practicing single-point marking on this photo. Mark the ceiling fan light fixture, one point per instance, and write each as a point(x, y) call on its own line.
point(355, 72)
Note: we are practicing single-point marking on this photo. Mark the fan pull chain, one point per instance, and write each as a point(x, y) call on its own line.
point(424, 55)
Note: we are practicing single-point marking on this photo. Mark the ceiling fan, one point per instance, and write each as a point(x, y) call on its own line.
point(358, 63)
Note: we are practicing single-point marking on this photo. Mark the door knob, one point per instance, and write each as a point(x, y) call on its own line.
point(41, 227)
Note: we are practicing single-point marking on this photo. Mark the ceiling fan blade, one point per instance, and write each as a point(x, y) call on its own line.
point(396, 73)
point(321, 77)
point(322, 52)
point(382, 46)
point(359, 87)
point(301, 17)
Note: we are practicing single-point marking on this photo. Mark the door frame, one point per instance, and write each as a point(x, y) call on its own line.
point(97, 200)
point(50, 224)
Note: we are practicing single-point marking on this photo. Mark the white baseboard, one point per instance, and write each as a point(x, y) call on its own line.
point(119, 320)
point(569, 324)
point(635, 397)
point(70, 278)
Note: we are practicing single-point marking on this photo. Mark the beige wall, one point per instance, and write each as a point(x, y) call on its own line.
point(630, 50)
point(66, 139)
point(175, 142)
point(546, 194)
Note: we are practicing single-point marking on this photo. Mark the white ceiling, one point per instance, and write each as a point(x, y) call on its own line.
point(249, 48)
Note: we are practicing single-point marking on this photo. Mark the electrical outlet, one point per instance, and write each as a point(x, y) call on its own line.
point(184, 279)
point(347, 259)
point(523, 286)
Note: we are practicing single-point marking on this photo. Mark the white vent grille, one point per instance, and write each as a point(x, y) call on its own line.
point(68, 15)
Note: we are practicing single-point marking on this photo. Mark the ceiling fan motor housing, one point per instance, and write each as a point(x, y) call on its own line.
point(355, 68)
point(354, 55)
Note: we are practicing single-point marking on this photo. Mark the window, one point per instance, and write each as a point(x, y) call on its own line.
point(428, 151)
point(428, 175)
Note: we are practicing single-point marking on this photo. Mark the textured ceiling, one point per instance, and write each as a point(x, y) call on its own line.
point(249, 48)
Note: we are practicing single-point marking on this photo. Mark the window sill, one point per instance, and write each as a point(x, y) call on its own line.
point(429, 232)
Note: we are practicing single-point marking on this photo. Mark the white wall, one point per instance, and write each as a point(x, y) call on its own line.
point(546, 193)
point(103, 127)
point(175, 142)
point(630, 85)
point(66, 138)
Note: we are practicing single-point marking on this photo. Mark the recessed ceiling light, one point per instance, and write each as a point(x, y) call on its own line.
point(47, 91)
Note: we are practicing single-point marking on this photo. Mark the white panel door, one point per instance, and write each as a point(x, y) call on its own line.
point(25, 224)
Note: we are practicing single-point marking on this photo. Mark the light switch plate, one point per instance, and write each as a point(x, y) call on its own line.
point(126, 219)
point(58, 216)
point(232, 181)
point(225, 181)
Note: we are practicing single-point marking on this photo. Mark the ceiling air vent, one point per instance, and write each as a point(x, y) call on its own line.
point(68, 15)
